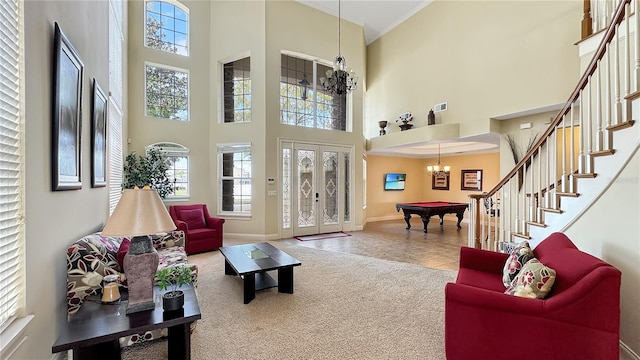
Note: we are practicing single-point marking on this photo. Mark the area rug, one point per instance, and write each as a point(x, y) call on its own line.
point(322, 236)
point(344, 306)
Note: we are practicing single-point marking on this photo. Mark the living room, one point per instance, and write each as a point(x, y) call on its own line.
point(480, 69)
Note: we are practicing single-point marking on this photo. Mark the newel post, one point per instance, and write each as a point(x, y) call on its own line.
point(587, 22)
point(476, 219)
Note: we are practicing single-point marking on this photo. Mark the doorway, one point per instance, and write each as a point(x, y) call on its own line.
point(316, 195)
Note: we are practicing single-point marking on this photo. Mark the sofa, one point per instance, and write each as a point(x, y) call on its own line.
point(579, 318)
point(94, 256)
point(202, 231)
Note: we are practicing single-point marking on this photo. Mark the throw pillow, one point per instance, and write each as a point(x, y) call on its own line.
point(194, 218)
point(516, 260)
point(122, 251)
point(534, 281)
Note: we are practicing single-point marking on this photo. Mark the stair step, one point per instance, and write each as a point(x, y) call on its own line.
point(634, 95)
point(602, 152)
point(555, 211)
point(622, 125)
point(573, 195)
point(533, 223)
point(585, 176)
point(521, 235)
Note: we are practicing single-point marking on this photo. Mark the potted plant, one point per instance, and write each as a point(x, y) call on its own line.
point(150, 170)
point(173, 277)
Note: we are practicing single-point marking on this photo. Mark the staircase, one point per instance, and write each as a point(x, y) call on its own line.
point(559, 179)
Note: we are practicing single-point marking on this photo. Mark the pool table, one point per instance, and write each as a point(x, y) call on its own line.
point(428, 209)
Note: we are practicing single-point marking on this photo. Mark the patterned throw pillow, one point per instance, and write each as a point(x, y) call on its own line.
point(534, 281)
point(516, 260)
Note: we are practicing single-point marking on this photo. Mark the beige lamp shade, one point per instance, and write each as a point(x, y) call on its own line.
point(139, 212)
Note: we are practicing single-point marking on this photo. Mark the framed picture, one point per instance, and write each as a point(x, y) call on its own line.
point(67, 124)
point(471, 180)
point(98, 137)
point(439, 182)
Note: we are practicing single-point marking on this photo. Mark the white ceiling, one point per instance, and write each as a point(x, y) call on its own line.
point(377, 17)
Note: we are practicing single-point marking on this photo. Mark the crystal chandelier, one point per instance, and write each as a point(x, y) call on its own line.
point(438, 170)
point(341, 80)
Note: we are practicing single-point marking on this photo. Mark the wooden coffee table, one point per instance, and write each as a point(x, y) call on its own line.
point(252, 261)
point(93, 331)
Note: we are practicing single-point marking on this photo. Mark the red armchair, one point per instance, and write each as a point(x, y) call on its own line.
point(202, 232)
point(579, 319)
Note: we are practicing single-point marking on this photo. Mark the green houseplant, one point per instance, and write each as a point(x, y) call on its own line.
point(148, 170)
point(172, 278)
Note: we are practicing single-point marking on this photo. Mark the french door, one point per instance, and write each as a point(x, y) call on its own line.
point(315, 193)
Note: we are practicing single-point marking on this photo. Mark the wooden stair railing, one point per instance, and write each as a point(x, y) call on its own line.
point(599, 105)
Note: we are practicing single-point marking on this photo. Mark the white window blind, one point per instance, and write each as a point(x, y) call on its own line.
point(115, 161)
point(11, 183)
point(114, 133)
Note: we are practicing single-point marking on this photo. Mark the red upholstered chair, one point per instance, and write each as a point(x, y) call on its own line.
point(579, 319)
point(202, 232)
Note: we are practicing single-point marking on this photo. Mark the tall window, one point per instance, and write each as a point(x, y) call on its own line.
point(11, 164)
point(302, 100)
point(237, 90)
point(167, 26)
point(178, 172)
point(167, 92)
point(235, 179)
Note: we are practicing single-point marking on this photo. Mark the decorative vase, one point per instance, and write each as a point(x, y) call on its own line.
point(173, 300)
point(431, 118)
point(382, 124)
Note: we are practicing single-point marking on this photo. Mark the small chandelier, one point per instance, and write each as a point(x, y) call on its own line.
point(341, 80)
point(439, 170)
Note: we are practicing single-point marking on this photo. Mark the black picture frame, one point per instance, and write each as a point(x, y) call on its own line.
point(471, 180)
point(98, 137)
point(67, 115)
point(440, 182)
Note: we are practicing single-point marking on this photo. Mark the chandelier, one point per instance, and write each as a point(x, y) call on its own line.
point(341, 80)
point(438, 170)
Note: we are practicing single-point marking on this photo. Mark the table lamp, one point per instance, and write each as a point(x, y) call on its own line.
point(139, 213)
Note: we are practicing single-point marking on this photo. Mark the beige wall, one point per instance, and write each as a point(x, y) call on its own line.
point(54, 219)
point(143, 130)
point(301, 29)
point(267, 29)
point(459, 52)
point(381, 204)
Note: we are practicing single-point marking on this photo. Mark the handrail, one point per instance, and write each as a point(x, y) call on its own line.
point(608, 36)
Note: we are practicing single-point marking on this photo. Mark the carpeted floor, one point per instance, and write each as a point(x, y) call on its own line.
point(344, 307)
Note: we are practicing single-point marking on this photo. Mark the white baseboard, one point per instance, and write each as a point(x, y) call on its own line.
point(628, 351)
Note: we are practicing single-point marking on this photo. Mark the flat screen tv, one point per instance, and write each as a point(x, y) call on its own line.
point(394, 181)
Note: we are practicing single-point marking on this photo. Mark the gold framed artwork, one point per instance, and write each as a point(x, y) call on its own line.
point(471, 180)
point(440, 182)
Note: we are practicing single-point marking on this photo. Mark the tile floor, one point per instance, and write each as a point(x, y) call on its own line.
point(438, 248)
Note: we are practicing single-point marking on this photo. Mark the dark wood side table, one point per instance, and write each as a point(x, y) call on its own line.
point(93, 331)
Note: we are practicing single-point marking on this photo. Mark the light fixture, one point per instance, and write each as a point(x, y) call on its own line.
point(304, 83)
point(341, 80)
point(438, 170)
point(139, 212)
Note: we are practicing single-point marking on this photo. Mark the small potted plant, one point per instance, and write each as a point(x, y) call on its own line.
point(173, 277)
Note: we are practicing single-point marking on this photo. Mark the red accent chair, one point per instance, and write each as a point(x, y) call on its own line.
point(202, 232)
point(579, 319)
